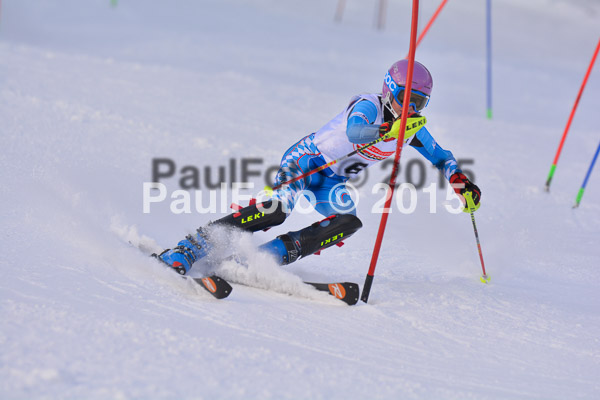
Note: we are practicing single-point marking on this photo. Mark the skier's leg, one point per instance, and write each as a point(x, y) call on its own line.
point(252, 218)
point(332, 197)
point(255, 217)
point(332, 230)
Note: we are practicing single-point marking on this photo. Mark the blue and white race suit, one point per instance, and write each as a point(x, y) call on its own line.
point(357, 124)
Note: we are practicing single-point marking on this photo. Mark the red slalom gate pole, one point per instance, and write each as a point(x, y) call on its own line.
point(564, 136)
point(399, 144)
point(431, 21)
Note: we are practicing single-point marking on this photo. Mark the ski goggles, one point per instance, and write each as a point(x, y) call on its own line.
point(418, 100)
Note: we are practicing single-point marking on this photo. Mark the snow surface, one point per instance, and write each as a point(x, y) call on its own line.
point(90, 94)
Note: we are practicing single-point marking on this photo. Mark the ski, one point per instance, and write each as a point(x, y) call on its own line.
point(348, 292)
point(214, 285)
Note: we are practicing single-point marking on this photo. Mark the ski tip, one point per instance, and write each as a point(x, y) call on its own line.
point(348, 292)
point(484, 279)
point(353, 293)
point(215, 285)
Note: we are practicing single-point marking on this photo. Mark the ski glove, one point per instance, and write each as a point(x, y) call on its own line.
point(413, 124)
point(461, 184)
point(384, 129)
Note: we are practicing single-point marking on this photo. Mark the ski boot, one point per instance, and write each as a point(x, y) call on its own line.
point(187, 251)
point(331, 231)
point(252, 218)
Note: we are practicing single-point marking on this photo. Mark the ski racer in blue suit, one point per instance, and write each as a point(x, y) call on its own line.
point(366, 118)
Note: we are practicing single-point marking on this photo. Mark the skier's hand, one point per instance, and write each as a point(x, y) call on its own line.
point(461, 184)
point(384, 129)
point(413, 124)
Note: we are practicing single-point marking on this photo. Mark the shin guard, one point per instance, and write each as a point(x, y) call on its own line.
point(312, 239)
point(255, 217)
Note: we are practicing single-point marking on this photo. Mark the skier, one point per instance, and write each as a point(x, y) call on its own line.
point(366, 118)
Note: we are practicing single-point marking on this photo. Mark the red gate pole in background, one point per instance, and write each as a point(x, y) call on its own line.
point(381, 14)
point(564, 136)
point(399, 144)
point(339, 10)
point(431, 21)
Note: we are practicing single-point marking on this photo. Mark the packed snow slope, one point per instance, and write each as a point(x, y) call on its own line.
point(90, 94)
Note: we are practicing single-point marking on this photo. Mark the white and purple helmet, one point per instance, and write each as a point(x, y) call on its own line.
point(395, 81)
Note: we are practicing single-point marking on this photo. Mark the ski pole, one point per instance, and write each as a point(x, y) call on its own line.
point(420, 121)
point(562, 140)
point(471, 207)
point(405, 101)
point(587, 176)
